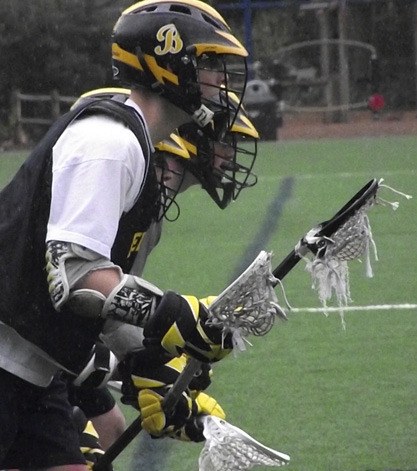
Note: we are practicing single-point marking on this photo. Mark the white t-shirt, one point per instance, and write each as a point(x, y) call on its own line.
point(97, 173)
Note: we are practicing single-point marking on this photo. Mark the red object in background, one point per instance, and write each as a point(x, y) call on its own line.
point(376, 102)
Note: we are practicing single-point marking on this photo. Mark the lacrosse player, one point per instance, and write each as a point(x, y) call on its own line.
point(83, 200)
point(223, 168)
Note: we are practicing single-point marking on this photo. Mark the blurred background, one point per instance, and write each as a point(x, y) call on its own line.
point(317, 60)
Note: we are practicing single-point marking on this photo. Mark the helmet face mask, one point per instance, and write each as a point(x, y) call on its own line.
point(222, 81)
point(224, 167)
point(163, 45)
point(170, 176)
point(234, 161)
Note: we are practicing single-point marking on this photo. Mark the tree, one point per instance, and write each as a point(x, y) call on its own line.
point(55, 44)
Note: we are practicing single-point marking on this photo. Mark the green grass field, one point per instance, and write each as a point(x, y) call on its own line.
point(332, 399)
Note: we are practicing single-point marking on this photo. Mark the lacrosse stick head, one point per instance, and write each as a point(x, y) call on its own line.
point(249, 305)
point(228, 448)
point(346, 236)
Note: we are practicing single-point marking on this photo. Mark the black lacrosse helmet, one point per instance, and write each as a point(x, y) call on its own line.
point(164, 45)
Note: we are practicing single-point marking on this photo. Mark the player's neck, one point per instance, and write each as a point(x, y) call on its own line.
point(161, 116)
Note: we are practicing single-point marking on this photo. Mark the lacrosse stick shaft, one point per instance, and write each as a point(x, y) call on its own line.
point(181, 384)
point(289, 262)
point(118, 446)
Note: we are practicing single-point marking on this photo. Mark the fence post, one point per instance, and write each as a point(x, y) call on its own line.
point(55, 105)
point(15, 119)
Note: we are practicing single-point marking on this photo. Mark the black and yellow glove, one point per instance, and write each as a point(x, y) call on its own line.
point(193, 429)
point(151, 383)
point(147, 386)
point(180, 325)
point(89, 440)
point(158, 422)
point(180, 424)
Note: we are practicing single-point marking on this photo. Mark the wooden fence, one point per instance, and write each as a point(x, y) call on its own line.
point(56, 105)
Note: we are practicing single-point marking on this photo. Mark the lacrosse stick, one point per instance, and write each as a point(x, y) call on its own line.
point(135, 427)
point(342, 231)
point(346, 236)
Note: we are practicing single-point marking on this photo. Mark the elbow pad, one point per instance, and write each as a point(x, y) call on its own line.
point(132, 301)
point(66, 264)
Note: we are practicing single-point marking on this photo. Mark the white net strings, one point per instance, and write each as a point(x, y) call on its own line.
point(249, 305)
point(228, 448)
point(353, 240)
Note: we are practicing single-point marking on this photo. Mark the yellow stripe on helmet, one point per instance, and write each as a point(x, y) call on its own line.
point(243, 125)
point(126, 57)
point(235, 47)
point(161, 74)
point(174, 145)
point(191, 148)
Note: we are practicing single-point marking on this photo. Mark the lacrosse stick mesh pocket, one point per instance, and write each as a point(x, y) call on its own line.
point(249, 305)
point(228, 448)
point(352, 240)
point(329, 268)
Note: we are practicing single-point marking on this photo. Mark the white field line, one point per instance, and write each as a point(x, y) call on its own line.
point(377, 307)
point(309, 176)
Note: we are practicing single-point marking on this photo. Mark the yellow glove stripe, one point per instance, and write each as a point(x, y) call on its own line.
point(203, 334)
point(173, 338)
point(146, 383)
point(89, 428)
point(194, 306)
point(154, 424)
point(86, 450)
point(148, 397)
point(178, 363)
point(207, 301)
